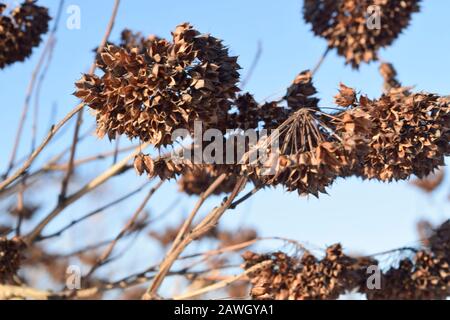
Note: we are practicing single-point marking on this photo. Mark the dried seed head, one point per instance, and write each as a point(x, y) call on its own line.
point(389, 75)
point(410, 135)
point(346, 96)
point(344, 24)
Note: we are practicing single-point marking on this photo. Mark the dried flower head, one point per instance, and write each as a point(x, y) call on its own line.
point(147, 95)
point(389, 75)
point(410, 135)
point(306, 278)
point(10, 258)
point(425, 277)
point(21, 31)
point(344, 24)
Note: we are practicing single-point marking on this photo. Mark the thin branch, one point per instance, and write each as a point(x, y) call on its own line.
point(53, 130)
point(245, 197)
point(92, 213)
point(66, 179)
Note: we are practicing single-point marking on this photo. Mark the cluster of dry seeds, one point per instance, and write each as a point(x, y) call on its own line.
point(147, 94)
point(389, 75)
point(307, 278)
point(21, 31)
point(151, 86)
point(344, 24)
point(425, 276)
point(10, 258)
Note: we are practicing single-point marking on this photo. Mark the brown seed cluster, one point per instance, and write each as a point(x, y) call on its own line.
point(424, 276)
point(226, 238)
point(169, 86)
point(344, 24)
point(391, 138)
point(21, 31)
point(410, 137)
point(10, 258)
point(307, 278)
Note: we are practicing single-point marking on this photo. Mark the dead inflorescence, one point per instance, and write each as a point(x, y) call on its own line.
point(307, 278)
point(426, 275)
point(314, 147)
point(21, 31)
point(199, 178)
point(344, 24)
point(410, 135)
point(11, 255)
point(151, 87)
point(167, 87)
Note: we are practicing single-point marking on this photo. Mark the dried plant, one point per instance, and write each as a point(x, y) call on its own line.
point(344, 25)
point(145, 88)
point(425, 276)
point(21, 31)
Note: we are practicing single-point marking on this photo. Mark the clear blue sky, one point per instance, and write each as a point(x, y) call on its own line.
point(365, 216)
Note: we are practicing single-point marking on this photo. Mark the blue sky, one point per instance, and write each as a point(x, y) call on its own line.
point(366, 217)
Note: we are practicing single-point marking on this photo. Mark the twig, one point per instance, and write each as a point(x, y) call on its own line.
point(53, 130)
point(187, 224)
point(91, 214)
point(224, 283)
point(252, 68)
point(93, 184)
point(320, 62)
point(202, 228)
point(47, 48)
